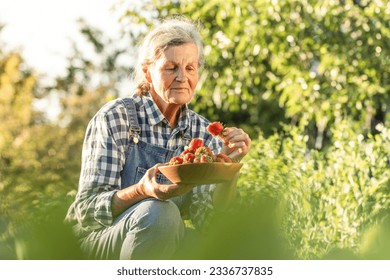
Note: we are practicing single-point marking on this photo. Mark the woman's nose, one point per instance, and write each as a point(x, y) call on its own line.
point(181, 76)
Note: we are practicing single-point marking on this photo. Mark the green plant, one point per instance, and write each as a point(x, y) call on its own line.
point(329, 196)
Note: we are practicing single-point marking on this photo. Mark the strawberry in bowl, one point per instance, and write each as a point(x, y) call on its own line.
point(197, 164)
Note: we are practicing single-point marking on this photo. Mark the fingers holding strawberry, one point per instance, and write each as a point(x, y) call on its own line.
point(236, 143)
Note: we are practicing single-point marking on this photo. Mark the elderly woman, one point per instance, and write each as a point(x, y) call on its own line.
point(124, 208)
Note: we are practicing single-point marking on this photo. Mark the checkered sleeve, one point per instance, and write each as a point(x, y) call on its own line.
point(103, 156)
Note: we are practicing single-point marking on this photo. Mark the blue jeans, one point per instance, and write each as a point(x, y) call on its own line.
point(150, 229)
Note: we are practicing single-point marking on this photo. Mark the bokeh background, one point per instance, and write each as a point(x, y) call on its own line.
point(309, 80)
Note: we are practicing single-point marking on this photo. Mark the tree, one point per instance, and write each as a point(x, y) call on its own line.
point(40, 158)
point(17, 92)
point(308, 63)
point(92, 78)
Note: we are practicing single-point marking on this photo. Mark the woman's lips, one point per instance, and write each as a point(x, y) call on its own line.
point(179, 89)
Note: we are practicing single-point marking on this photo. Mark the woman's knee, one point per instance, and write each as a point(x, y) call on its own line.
point(156, 231)
point(159, 215)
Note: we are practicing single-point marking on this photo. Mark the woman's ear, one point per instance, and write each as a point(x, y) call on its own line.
point(147, 74)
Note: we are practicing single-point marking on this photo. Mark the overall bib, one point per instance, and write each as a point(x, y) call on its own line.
point(151, 228)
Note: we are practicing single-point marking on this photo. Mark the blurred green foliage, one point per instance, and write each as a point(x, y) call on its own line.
point(330, 197)
point(309, 63)
point(309, 80)
point(40, 157)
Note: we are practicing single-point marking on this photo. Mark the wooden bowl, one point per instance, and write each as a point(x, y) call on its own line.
point(200, 173)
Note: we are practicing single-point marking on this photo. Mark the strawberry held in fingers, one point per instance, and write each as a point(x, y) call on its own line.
point(215, 128)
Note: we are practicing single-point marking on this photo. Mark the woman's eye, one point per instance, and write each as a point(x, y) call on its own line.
point(170, 68)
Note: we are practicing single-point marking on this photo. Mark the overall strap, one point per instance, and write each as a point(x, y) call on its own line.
point(134, 129)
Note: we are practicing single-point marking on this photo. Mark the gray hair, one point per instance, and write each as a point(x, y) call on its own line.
point(172, 32)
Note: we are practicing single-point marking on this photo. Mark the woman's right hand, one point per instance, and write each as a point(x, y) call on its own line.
point(148, 186)
point(145, 188)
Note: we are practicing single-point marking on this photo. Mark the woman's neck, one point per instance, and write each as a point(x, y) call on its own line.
point(170, 111)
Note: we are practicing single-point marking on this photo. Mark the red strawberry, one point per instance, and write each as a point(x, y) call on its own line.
point(223, 158)
point(215, 128)
point(219, 159)
point(204, 154)
point(176, 160)
point(195, 144)
point(187, 151)
point(203, 151)
point(188, 157)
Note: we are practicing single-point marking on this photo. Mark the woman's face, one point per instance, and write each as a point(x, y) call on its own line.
point(174, 75)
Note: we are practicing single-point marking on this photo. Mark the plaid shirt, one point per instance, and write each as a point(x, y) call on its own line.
point(103, 159)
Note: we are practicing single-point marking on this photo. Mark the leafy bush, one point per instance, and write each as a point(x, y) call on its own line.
point(329, 197)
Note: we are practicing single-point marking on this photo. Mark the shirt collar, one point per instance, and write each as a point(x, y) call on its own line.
point(184, 118)
point(155, 116)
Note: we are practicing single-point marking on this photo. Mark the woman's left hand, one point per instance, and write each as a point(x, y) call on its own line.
point(236, 143)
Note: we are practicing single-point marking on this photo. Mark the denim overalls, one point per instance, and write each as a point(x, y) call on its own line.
point(141, 156)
